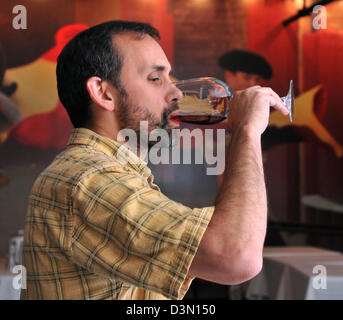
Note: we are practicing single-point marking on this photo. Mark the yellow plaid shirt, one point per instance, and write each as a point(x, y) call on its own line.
point(100, 229)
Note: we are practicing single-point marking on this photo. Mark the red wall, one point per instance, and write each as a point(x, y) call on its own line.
point(155, 13)
point(279, 45)
point(322, 61)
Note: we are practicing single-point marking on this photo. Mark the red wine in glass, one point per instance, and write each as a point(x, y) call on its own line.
point(206, 101)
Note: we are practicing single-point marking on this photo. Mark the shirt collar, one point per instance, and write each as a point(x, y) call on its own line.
point(84, 136)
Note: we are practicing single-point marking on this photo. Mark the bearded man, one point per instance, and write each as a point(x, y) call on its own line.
point(100, 229)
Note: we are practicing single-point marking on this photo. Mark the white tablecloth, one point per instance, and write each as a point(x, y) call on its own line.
point(7, 290)
point(298, 273)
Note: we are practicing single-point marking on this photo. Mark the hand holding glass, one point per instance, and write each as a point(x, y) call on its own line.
point(206, 101)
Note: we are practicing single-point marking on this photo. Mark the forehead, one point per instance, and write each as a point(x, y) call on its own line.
point(140, 54)
point(246, 75)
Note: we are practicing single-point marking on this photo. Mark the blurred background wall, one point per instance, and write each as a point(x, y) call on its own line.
point(195, 34)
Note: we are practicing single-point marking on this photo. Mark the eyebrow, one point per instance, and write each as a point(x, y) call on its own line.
point(161, 68)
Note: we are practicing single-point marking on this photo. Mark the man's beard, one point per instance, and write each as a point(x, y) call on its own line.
point(130, 117)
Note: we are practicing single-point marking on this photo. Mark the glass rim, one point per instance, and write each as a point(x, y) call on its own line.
point(227, 88)
point(228, 94)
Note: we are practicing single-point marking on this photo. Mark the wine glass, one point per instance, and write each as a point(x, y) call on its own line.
point(288, 100)
point(206, 101)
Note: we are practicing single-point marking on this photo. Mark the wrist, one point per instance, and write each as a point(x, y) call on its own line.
point(247, 132)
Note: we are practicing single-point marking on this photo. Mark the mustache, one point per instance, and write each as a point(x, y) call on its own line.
point(172, 107)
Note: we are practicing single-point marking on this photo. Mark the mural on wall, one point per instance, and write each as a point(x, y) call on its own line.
point(45, 123)
point(30, 111)
point(244, 68)
point(9, 112)
point(281, 46)
point(311, 58)
point(309, 108)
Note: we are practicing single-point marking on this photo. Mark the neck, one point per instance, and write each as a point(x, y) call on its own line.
point(106, 131)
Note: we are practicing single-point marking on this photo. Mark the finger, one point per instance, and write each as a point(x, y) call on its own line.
point(278, 104)
point(271, 92)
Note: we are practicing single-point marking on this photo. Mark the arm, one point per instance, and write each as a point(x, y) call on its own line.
point(230, 251)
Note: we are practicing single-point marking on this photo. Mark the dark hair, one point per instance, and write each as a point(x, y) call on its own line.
point(92, 53)
point(246, 61)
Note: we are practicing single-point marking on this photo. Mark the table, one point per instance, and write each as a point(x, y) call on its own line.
point(297, 273)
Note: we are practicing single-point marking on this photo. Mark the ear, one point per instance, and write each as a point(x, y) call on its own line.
point(102, 93)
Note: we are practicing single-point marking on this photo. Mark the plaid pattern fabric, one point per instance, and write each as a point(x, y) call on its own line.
point(98, 229)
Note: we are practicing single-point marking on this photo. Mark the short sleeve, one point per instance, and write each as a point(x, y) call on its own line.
point(127, 230)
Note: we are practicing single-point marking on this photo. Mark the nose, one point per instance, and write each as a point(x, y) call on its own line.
point(174, 94)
